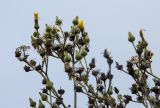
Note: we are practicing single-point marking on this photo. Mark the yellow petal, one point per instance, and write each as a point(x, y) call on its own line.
point(36, 15)
point(81, 24)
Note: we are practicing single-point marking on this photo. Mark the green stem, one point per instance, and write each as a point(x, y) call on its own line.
point(50, 98)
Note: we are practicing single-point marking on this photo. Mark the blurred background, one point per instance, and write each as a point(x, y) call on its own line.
point(107, 22)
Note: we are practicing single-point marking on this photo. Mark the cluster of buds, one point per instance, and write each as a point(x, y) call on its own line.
point(71, 48)
point(139, 68)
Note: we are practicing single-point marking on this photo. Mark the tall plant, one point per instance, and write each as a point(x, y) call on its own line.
point(71, 48)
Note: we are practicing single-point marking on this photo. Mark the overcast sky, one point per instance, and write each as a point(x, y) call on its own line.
point(107, 22)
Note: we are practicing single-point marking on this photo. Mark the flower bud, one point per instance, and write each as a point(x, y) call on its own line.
point(75, 21)
point(49, 85)
point(144, 43)
point(131, 38)
point(32, 103)
point(110, 91)
point(36, 26)
point(36, 15)
point(83, 51)
point(141, 34)
point(136, 73)
point(67, 57)
point(86, 39)
point(78, 56)
point(48, 28)
point(41, 105)
point(36, 34)
point(43, 96)
point(139, 49)
point(58, 21)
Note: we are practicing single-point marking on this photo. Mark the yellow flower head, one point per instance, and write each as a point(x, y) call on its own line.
point(81, 24)
point(36, 15)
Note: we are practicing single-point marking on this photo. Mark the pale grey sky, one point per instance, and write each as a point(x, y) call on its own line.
point(107, 22)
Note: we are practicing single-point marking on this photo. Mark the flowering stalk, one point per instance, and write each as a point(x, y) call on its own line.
point(72, 48)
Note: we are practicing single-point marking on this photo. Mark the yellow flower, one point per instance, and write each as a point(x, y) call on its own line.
point(36, 15)
point(81, 24)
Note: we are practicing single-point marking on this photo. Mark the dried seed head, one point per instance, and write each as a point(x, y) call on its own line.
point(69, 48)
point(80, 70)
point(100, 88)
point(92, 64)
point(42, 52)
point(38, 67)
point(55, 105)
point(67, 68)
point(78, 88)
point(61, 91)
point(148, 54)
point(27, 68)
point(116, 90)
point(95, 72)
point(33, 62)
point(127, 98)
point(103, 77)
point(59, 101)
point(118, 66)
point(134, 89)
point(44, 91)
point(134, 60)
point(44, 81)
point(17, 53)
point(109, 76)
